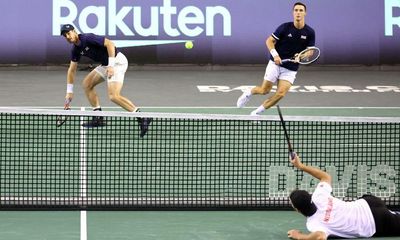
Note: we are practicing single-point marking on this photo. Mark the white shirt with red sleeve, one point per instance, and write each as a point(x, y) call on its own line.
point(339, 218)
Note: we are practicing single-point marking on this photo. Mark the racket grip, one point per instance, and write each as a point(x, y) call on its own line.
point(67, 103)
point(292, 154)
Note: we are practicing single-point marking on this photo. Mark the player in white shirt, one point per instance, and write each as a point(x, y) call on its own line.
point(328, 216)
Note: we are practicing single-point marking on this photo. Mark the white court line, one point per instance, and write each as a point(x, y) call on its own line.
point(83, 226)
point(83, 176)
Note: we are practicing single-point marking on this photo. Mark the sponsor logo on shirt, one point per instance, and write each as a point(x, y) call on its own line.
point(303, 37)
point(328, 210)
point(86, 50)
point(289, 35)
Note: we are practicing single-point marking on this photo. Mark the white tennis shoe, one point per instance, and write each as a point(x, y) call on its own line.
point(242, 100)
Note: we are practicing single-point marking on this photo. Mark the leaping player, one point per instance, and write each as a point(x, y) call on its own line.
point(287, 40)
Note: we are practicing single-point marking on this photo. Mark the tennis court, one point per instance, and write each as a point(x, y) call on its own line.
point(186, 98)
point(205, 169)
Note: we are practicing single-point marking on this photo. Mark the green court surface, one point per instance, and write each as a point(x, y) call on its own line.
point(38, 225)
point(172, 225)
point(149, 225)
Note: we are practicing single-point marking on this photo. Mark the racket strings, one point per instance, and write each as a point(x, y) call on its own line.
point(309, 55)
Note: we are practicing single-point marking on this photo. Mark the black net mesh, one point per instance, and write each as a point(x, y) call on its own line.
point(189, 161)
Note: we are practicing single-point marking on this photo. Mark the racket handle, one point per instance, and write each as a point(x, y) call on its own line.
point(289, 60)
point(67, 103)
point(292, 154)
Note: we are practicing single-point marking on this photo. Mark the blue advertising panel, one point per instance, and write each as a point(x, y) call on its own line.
point(223, 31)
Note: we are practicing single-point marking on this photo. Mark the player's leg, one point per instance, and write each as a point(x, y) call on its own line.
point(281, 91)
point(95, 77)
point(264, 89)
point(286, 79)
point(88, 84)
point(115, 84)
point(270, 77)
point(393, 219)
point(386, 222)
point(114, 93)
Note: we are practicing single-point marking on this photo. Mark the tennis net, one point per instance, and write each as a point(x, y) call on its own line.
point(188, 161)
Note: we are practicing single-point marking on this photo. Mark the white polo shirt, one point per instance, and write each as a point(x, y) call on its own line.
point(339, 218)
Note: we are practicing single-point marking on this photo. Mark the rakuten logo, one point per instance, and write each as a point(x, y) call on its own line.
point(190, 21)
point(391, 19)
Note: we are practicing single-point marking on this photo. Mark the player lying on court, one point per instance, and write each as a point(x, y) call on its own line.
point(288, 40)
point(328, 216)
point(112, 68)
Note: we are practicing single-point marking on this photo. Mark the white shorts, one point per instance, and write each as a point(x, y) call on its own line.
point(120, 67)
point(275, 72)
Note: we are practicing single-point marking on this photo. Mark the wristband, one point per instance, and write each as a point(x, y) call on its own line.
point(274, 53)
point(111, 61)
point(70, 88)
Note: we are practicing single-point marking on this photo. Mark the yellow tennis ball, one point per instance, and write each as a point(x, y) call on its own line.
point(189, 45)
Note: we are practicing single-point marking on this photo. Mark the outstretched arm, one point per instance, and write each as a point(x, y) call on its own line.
point(313, 171)
point(323, 177)
point(70, 83)
point(296, 234)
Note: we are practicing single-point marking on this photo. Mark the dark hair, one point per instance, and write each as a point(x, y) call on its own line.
point(301, 200)
point(301, 4)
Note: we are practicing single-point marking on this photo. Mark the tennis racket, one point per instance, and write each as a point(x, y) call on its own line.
point(305, 57)
point(292, 153)
point(62, 119)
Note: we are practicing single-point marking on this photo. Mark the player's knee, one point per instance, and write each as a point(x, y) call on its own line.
point(265, 91)
point(260, 90)
point(114, 98)
point(87, 85)
point(280, 95)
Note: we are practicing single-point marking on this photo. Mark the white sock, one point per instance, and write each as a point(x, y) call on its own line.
point(248, 92)
point(259, 110)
